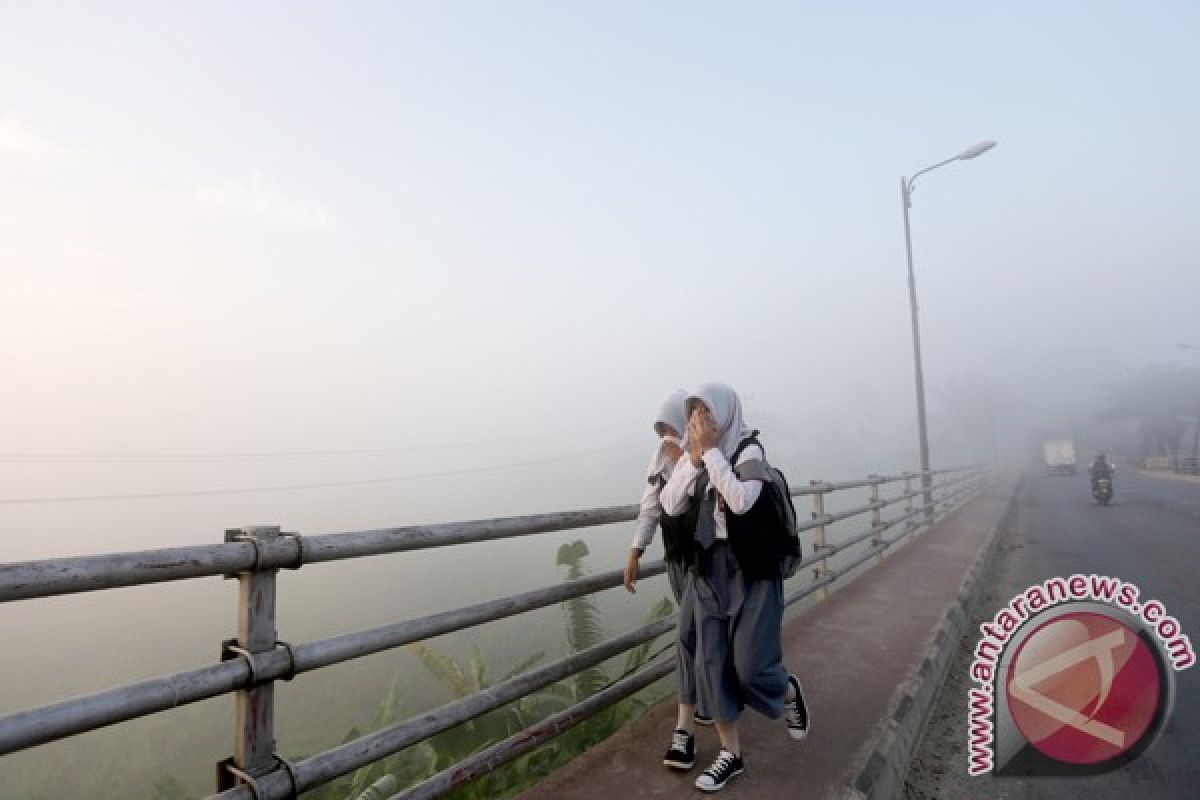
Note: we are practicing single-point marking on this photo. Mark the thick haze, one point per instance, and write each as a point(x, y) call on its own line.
point(483, 241)
point(231, 227)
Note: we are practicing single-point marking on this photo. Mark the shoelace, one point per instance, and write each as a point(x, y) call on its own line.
point(724, 761)
point(679, 741)
point(793, 709)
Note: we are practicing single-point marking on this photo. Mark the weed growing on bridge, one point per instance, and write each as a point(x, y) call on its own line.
point(415, 764)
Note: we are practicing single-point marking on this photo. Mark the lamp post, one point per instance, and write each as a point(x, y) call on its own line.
point(1196, 433)
point(906, 191)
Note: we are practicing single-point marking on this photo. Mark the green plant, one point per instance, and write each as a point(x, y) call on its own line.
point(445, 749)
point(583, 621)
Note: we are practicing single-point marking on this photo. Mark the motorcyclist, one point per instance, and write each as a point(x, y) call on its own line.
point(1100, 467)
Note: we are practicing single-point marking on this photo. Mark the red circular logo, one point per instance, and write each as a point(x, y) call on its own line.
point(1083, 688)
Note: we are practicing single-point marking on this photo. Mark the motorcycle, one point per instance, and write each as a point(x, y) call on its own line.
point(1102, 490)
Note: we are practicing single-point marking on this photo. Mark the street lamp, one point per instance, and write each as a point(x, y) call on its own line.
point(906, 190)
point(1196, 433)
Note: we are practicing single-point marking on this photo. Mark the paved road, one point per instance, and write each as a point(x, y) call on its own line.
point(1150, 536)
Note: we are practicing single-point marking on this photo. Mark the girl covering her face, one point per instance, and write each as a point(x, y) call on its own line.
point(737, 609)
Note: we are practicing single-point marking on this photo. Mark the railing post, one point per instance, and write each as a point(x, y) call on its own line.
point(929, 500)
point(876, 518)
point(946, 489)
point(909, 524)
point(950, 490)
point(819, 543)
point(254, 707)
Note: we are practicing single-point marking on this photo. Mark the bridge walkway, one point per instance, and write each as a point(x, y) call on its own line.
point(852, 652)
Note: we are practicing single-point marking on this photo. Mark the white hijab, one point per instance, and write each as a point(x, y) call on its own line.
point(726, 409)
point(673, 412)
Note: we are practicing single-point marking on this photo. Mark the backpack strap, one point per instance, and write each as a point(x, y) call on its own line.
point(743, 444)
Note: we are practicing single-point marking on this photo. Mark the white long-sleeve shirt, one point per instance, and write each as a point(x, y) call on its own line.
point(649, 513)
point(738, 496)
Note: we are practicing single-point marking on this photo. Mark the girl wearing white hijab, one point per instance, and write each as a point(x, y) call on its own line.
point(738, 612)
point(669, 424)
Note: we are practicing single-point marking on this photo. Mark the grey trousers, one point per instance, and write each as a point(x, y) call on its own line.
point(738, 653)
point(685, 647)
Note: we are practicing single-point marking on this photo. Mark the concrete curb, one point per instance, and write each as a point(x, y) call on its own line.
point(881, 770)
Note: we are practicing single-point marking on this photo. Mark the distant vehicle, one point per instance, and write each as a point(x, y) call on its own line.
point(1059, 455)
point(1103, 491)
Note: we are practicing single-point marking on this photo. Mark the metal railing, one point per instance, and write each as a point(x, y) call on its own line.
point(256, 658)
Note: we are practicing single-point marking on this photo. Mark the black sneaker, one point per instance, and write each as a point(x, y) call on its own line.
point(701, 719)
point(726, 766)
point(796, 712)
point(682, 753)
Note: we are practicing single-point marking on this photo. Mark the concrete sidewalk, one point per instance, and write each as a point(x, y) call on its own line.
point(852, 653)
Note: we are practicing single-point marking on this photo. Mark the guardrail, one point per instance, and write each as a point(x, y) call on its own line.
point(1177, 463)
point(256, 658)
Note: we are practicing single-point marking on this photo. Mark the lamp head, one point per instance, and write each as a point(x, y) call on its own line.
point(976, 150)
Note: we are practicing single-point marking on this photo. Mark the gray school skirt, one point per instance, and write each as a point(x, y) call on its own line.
point(738, 654)
point(677, 575)
point(685, 648)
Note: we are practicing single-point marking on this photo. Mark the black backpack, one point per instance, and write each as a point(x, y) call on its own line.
point(677, 532)
point(764, 539)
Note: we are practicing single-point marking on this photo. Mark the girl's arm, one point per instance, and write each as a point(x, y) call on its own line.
point(647, 518)
point(739, 496)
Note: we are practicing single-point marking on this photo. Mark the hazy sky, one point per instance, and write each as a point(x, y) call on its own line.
point(288, 226)
point(231, 226)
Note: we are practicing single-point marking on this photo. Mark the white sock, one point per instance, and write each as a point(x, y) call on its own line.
point(684, 721)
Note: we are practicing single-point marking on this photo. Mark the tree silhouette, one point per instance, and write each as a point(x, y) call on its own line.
point(1157, 398)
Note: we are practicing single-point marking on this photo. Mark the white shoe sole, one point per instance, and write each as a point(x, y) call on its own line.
point(800, 733)
point(719, 786)
point(679, 765)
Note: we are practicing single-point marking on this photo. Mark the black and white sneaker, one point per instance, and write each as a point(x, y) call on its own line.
point(701, 719)
point(722, 770)
point(682, 753)
point(796, 712)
